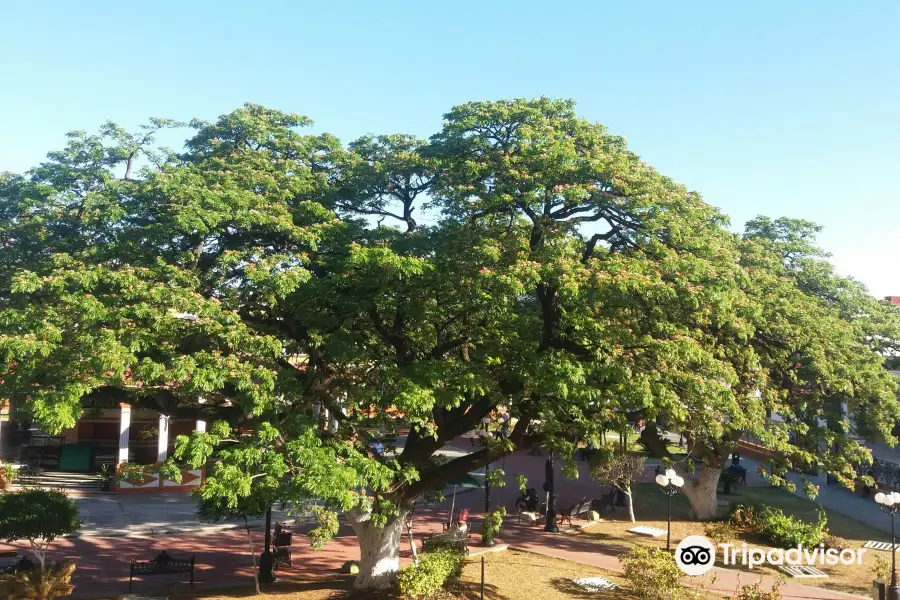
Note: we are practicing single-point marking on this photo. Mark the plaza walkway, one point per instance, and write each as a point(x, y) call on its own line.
point(834, 497)
point(223, 558)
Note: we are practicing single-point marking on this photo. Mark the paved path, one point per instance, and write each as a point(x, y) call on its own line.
point(833, 497)
point(115, 524)
point(146, 515)
point(223, 558)
point(841, 500)
point(571, 547)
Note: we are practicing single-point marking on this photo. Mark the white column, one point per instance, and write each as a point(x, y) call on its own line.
point(162, 446)
point(124, 429)
point(201, 424)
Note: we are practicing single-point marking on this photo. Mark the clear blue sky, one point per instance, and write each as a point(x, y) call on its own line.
point(786, 108)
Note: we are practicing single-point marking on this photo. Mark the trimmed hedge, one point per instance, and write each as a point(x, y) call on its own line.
point(785, 531)
point(652, 574)
point(435, 571)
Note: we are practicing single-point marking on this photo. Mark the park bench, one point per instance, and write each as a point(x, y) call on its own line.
point(281, 549)
point(578, 510)
point(565, 515)
point(582, 511)
point(163, 564)
point(453, 538)
point(11, 562)
point(606, 501)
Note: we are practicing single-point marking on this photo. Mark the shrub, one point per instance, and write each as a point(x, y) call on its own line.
point(752, 592)
point(652, 574)
point(835, 541)
point(745, 517)
point(492, 522)
point(435, 570)
point(8, 473)
point(881, 569)
point(785, 531)
point(52, 582)
point(720, 533)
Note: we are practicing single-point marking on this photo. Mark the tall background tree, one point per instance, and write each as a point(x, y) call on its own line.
point(522, 257)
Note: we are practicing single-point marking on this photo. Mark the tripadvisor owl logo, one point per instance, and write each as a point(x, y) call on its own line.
point(696, 555)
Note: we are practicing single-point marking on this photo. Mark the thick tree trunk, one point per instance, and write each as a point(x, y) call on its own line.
point(655, 444)
point(379, 549)
point(701, 492)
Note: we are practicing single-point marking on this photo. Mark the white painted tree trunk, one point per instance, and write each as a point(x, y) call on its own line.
point(412, 542)
point(630, 503)
point(253, 558)
point(701, 492)
point(379, 549)
point(40, 553)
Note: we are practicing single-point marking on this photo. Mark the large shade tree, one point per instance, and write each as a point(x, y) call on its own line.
point(522, 257)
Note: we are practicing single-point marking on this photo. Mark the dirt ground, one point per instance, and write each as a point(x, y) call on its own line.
point(509, 575)
point(650, 509)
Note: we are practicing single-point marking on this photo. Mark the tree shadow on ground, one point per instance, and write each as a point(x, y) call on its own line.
point(341, 586)
point(612, 544)
point(472, 591)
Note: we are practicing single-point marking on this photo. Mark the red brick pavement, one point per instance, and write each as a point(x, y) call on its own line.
point(223, 558)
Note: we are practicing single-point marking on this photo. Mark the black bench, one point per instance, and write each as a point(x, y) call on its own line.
point(11, 562)
point(163, 564)
point(281, 549)
point(582, 511)
point(454, 538)
point(565, 515)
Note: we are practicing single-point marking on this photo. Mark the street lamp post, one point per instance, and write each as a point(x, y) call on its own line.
point(890, 503)
point(267, 559)
point(550, 525)
point(488, 542)
point(670, 483)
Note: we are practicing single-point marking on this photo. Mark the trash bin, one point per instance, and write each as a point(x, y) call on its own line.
point(878, 590)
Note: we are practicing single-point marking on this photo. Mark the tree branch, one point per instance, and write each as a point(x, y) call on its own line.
point(436, 478)
point(419, 449)
point(440, 350)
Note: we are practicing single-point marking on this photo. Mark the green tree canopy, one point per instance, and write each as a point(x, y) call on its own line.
point(39, 516)
point(521, 257)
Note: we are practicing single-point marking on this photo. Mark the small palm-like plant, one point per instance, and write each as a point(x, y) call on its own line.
point(52, 582)
point(8, 474)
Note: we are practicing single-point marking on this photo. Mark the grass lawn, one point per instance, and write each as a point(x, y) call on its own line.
point(313, 588)
point(650, 509)
point(509, 575)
